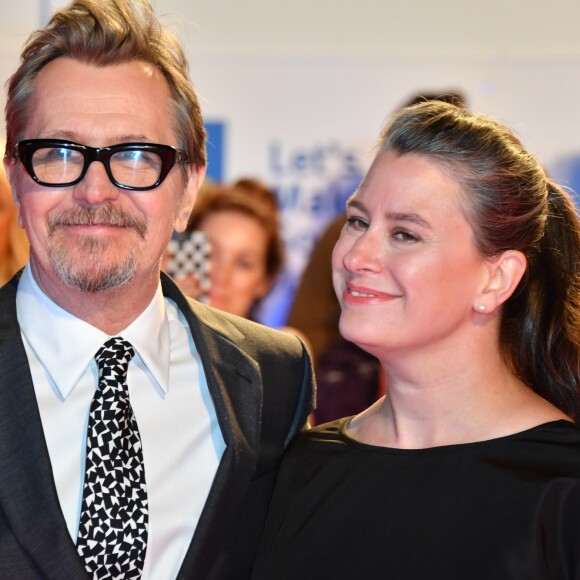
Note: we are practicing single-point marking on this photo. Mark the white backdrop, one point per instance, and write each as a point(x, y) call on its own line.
point(303, 87)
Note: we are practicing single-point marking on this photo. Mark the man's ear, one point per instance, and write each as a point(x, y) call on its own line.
point(195, 178)
point(504, 275)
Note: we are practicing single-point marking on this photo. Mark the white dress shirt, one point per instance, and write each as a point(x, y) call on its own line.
point(181, 438)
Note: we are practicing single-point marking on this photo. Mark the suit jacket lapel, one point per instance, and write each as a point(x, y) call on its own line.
point(235, 385)
point(28, 497)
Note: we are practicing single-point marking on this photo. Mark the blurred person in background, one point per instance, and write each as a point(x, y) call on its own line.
point(13, 241)
point(247, 252)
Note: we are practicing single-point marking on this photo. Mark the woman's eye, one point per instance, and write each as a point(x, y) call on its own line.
point(405, 236)
point(246, 265)
point(356, 223)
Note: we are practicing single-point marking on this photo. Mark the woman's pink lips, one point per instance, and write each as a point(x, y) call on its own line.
point(363, 295)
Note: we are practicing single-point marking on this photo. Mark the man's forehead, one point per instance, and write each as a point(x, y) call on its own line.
point(71, 76)
point(113, 101)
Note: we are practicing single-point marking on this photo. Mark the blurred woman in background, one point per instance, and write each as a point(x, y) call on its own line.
point(242, 224)
point(13, 242)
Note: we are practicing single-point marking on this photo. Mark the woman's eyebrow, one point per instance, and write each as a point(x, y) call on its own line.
point(414, 218)
point(410, 217)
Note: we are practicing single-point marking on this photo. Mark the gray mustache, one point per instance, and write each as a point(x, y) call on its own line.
point(107, 215)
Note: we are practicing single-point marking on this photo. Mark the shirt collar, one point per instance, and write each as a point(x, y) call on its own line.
point(66, 345)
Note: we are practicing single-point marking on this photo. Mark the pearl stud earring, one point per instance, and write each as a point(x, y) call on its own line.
point(481, 307)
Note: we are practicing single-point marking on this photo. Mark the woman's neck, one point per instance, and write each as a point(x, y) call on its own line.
point(450, 404)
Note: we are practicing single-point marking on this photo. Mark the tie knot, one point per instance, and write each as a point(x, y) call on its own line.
point(116, 352)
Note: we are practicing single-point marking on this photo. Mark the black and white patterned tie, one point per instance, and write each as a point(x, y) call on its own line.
point(112, 536)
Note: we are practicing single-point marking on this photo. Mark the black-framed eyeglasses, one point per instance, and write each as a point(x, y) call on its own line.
point(132, 166)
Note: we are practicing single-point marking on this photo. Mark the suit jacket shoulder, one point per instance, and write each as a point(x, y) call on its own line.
point(282, 360)
point(262, 386)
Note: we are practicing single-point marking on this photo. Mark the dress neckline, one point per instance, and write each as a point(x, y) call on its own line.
point(524, 434)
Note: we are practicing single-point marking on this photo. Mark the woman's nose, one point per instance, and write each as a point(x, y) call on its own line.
point(363, 253)
point(219, 273)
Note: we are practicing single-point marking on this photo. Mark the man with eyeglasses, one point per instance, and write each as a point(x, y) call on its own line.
point(140, 431)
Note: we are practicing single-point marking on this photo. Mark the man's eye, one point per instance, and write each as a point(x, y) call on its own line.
point(56, 155)
point(130, 155)
point(136, 157)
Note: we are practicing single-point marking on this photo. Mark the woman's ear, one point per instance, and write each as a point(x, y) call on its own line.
point(195, 178)
point(504, 275)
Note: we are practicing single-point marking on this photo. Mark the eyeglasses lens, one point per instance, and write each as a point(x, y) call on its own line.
point(57, 165)
point(62, 165)
point(136, 168)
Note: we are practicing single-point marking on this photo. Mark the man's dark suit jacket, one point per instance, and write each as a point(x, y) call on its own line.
point(262, 388)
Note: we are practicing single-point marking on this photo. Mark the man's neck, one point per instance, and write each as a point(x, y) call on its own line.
point(111, 310)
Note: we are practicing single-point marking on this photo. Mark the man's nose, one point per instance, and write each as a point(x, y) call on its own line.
point(96, 188)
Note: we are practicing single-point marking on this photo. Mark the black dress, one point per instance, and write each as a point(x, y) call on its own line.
point(508, 508)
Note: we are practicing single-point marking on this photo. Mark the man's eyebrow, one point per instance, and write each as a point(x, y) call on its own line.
point(72, 136)
point(58, 134)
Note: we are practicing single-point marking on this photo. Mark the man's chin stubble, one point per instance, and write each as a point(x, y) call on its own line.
point(86, 273)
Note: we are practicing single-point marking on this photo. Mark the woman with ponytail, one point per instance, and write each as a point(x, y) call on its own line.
point(458, 268)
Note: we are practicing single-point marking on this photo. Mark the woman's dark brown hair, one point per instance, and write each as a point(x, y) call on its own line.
point(511, 204)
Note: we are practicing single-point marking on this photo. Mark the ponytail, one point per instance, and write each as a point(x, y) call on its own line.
point(540, 332)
